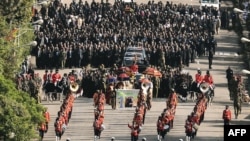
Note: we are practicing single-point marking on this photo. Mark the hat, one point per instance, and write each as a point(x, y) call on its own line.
point(180, 139)
point(144, 139)
point(112, 138)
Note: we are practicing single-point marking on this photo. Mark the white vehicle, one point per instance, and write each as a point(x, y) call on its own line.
point(210, 3)
point(138, 53)
point(133, 54)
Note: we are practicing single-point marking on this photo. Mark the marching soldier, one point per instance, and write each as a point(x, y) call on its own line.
point(135, 130)
point(188, 128)
point(210, 58)
point(172, 99)
point(233, 87)
point(227, 115)
point(42, 129)
point(229, 74)
point(47, 118)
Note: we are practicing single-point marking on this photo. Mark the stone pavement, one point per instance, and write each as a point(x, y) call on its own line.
point(80, 127)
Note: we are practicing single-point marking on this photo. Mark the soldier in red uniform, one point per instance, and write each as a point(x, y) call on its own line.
point(58, 129)
point(56, 77)
point(71, 78)
point(135, 130)
point(97, 128)
point(209, 79)
point(42, 129)
point(198, 78)
point(172, 99)
point(227, 115)
point(47, 118)
point(188, 128)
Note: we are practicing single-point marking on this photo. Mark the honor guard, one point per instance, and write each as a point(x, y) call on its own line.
point(198, 78)
point(209, 79)
point(226, 115)
point(47, 118)
point(56, 77)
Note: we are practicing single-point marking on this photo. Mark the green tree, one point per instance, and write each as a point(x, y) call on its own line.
point(15, 16)
point(19, 113)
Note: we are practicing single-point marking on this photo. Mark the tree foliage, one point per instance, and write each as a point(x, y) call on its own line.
point(19, 113)
point(16, 11)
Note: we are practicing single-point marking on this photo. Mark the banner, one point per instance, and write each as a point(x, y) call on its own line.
point(126, 98)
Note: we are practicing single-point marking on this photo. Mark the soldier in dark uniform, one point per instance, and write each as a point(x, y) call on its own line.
point(33, 88)
point(112, 96)
point(38, 81)
point(229, 74)
point(233, 87)
point(25, 86)
point(156, 83)
point(210, 58)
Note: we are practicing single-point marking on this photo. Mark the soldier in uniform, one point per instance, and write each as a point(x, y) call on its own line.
point(46, 115)
point(156, 82)
point(33, 88)
point(25, 86)
point(229, 74)
point(210, 58)
point(113, 97)
point(38, 81)
point(227, 115)
point(233, 87)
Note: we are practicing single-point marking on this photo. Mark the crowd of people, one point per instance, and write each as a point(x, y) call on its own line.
point(79, 34)
point(96, 34)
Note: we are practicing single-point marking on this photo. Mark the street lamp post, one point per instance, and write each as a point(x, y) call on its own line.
point(20, 33)
point(246, 40)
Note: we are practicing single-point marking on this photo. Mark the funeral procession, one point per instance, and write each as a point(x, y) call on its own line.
point(124, 70)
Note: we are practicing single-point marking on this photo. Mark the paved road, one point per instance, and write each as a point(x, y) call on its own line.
point(80, 126)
